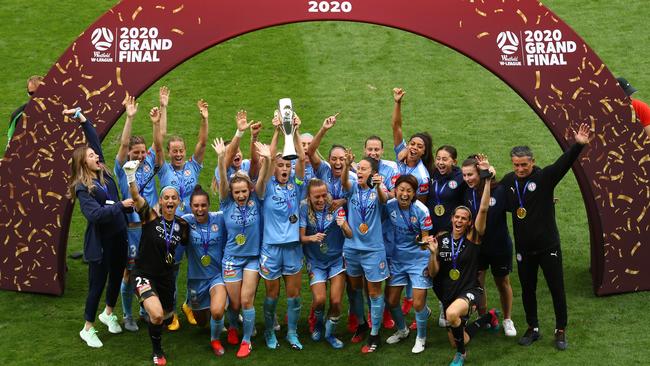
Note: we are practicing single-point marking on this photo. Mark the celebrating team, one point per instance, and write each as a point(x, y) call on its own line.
point(370, 229)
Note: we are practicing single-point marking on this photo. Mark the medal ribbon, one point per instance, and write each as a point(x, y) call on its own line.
point(320, 224)
point(407, 222)
point(521, 196)
point(181, 183)
point(285, 193)
point(405, 166)
point(205, 241)
point(474, 200)
point(455, 252)
point(243, 212)
point(104, 188)
point(439, 192)
point(139, 178)
point(168, 237)
point(362, 204)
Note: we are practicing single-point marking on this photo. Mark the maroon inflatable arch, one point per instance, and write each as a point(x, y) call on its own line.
point(137, 42)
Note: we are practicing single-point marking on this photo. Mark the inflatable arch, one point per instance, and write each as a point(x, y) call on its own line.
point(138, 41)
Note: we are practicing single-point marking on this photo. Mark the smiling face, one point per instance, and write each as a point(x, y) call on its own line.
point(337, 161)
point(92, 160)
point(364, 170)
point(374, 149)
point(404, 193)
point(282, 170)
point(306, 141)
point(460, 222)
point(444, 161)
point(523, 166)
point(237, 159)
point(240, 191)
point(318, 197)
point(176, 153)
point(415, 149)
point(169, 201)
point(200, 207)
point(471, 176)
point(138, 152)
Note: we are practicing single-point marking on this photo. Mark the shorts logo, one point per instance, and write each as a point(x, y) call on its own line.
point(453, 184)
point(102, 39)
point(469, 296)
point(187, 172)
point(532, 186)
point(382, 265)
point(445, 243)
point(265, 270)
point(519, 257)
point(493, 201)
point(229, 273)
point(424, 187)
point(214, 228)
point(311, 275)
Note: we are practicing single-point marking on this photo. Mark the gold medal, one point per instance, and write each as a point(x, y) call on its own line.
point(182, 206)
point(169, 258)
point(439, 210)
point(363, 228)
point(454, 274)
point(205, 260)
point(240, 239)
point(521, 213)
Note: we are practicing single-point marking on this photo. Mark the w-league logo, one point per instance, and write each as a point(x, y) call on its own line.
point(507, 42)
point(102, 39)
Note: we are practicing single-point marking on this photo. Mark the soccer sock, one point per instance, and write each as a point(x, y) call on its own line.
point(459, 338)
point(155, 334)
point(408, 291)
point(421, 321)
point(357, 305)
point(249, 323)
point(376, 312)
point(330, 326)
point(215, 328)
point(398, 317)
point(479, 323)
point(318, 314)
point(293, 314)
point(233, 318)
point(269, 312)
point(126, 290)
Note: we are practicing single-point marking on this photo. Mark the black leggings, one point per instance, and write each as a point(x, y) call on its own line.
point(551, 263)
point(112, 266)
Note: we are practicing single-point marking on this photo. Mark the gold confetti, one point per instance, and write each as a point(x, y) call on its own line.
point(48, 233)
point(482, 34)
point(523, 16)
point(539, 106)
point(29, 237)
point(199, 20)
point(178, 9)
point(614, 279)
point(21, 208)
point(576, 93)
point(594, 83)
point(54, 195)
point(118, 75)
point(602, 67)
point(638, 219)
point(617, 177)
point(483, 14)
point(577, 78)
point(538, 79)
point(623, 197)
point(644, 159)
point(136, 12)
point(176, 30)
point(633, 272)
point(21, 250)
point(87, 77)
point(66, 81)
point(161, 7)
point(605, 102)
point(61, 70)
point(498, 11)
point(119, 16)
point(636, 246)
point(557, 91)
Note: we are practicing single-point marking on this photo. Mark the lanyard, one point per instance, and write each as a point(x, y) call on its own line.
point(104, 188)
point(455, 252)
point(336, 188)
point(181, 182)
point(320, 224)
point(168, 236)
point(205, 241)
point(141, 179)
point(405, 166)
point(474, 200)
point(439, 192)
point(407, 222)
point(521, 196)
point(362, 203)
point(243, 212)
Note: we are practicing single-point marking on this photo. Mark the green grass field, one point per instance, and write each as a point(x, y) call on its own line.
point(347, 68)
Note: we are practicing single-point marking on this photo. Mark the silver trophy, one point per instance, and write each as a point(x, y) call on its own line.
point(287, 126)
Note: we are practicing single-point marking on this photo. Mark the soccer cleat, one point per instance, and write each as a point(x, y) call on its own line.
point(494, 320)
point(459, 359)
point(90, 337)
point(233, 338)
point(360, 333)
point(217, 348)
point(442, 321)
point(372, 345)
point(293, 340)
point(317, 334)
point(398, 336)
point(413, 326)
point(159, 359)
point(111, 322)
point(276, 325)
point(531, 335)
point(188, 314)
point(244, 350)
point(407, 304)
point(311, 321)
point(560, 340)
point(334, 342)
point(271, 340)
point(175, 324)
point(130, 324)
point(389, 323)
point(418, 347)
point(353, 323)
point(509, 328)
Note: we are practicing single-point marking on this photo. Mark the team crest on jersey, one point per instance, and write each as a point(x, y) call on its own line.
point(453, 184)
point(372, 196)
point(251, 203)
point(146, 169)
point(215, 228)
point(289, 186)
point(445, 243)
point(329, 217)
point(177, 227)
point(532, 186)
point(393, 215)
point(519, 257)
point(414, 219)
point(187, 172)
point(493, 201)
point(469, 296)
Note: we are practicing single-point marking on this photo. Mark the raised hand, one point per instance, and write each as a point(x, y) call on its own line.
point(296, 120)
point(340, 220)
point(432, 242)
point(242, 124)
point(377, 180)
point(263, 150)
point(583, 136)
point(154, 114)
point(483, 162)
point(349, 157)
point(219, 147)
point(203, 108)
point(277, 122)
point(131, 106)
point(329, 122)
point(398, 94)
point(256, 127)
point(163, 96)
point(130, 167)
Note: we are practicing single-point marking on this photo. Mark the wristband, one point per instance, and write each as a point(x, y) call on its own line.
point(77, 113)
point(239, 133)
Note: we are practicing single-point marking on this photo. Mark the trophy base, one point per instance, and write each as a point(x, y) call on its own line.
point(290, 157)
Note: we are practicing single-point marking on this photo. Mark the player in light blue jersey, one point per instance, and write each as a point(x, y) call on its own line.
point(415, 159)
point(322, 231)
point(409, 223)
point(184, 175)
point(204, 253)
point(135, 148)
point(242, 209)
point(364, 253)
point(281, 254)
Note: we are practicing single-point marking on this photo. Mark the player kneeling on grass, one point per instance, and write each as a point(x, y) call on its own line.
point(321, 231)
point(454, 268)
point(153, 274)
point(207, 292)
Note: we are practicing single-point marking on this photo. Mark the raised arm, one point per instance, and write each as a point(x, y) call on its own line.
point(224, 187)
point(378, 181)
point(300, 163)
point(345, 174)
point(557, 170)
point(481, 216)
point(156, 120)
point(276, 132)
point(433, 265)
point(266, 171)
point(396, 122)
point(255, 158)
point(131, 110)
point(199, 150)
point(89, 130)
point(233, 146)
point(138, 201)
point(163, 96)
point(328, 123)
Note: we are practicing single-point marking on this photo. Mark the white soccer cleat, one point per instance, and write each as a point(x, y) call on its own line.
point(90, 337)
point(398, 336)
point(111, 322)
point(442, 321)
point(509, 328)
point(418, 347)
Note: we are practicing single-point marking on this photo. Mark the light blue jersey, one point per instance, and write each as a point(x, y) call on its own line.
point(206, 239)
point(388, 170)
point(142, 175)
point(245, 167)
point(334, 187)
point(419, 171)
point(405, 226)
point(325, 222)
point(281, 208)
point(364, 208)
point(183, 179)
point(249, 230)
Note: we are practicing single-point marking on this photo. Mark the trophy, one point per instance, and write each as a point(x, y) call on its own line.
point(287, 127)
